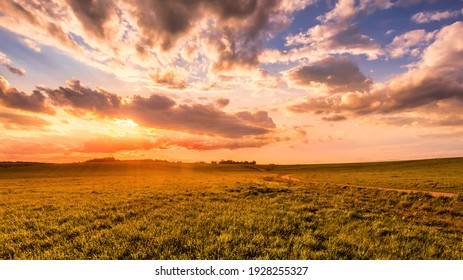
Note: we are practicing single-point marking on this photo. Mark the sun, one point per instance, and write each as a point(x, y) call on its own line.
point(125, 123)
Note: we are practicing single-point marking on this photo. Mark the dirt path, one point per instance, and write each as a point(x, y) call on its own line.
point(434, 194)
point(256, 168)
point(288, 177)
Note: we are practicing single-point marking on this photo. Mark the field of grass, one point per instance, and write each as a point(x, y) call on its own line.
point(145, 210)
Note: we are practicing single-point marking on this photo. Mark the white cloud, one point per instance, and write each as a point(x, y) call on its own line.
point(409, 42)
point(424, 17)
point(338, 32)
point(132, 39)
point(432, 89)
point(32, 45)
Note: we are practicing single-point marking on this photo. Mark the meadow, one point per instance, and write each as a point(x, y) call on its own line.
point(151, 210)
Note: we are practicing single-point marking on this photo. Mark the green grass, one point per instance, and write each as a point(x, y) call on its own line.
point(129, 210)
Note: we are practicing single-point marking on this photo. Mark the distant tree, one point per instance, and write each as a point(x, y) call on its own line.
point(105, 159)
point(236, 162)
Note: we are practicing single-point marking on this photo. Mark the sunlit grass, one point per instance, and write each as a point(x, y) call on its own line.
point(196, 211)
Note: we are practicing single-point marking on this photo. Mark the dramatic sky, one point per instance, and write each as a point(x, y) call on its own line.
point(276, 81)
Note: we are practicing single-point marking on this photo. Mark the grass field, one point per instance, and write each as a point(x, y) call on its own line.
point(145, 210)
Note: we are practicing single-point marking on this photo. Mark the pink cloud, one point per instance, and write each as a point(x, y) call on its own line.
point(5, 61)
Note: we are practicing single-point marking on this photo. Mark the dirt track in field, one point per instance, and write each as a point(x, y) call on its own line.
point(435, 194)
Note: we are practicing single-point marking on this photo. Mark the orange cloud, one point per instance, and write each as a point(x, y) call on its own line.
point(158, 111)
point(170, 78)
point(17, 121)
point(112, 145)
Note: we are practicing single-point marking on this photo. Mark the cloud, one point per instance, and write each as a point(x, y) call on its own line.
point(410, 42)
point(18, 10)
point(215, 144)
point(301, 134)
point(333, 38)
point(170, 78)
point(435, 82)
point(40, 21)
point(159, 111)
point(18, 121)
point(154, 102)
point(241, 29)
point(114, 144)
point(222, 102)
point(338, 32)
point(118, 144)
point(404, 93)
point(25, 149)
point(13, 98)
point(76, 96)
point(425, 17)
point(334, 118)
point(193, 118)
point(31, 44)
point(259, 118)
point(5, 61)
point(337, 74)
point(93, 14)
point(445, 54)
point(133, 38)
point(249, 18)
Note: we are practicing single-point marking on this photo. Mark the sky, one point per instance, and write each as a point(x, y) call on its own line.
point(276, 81)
